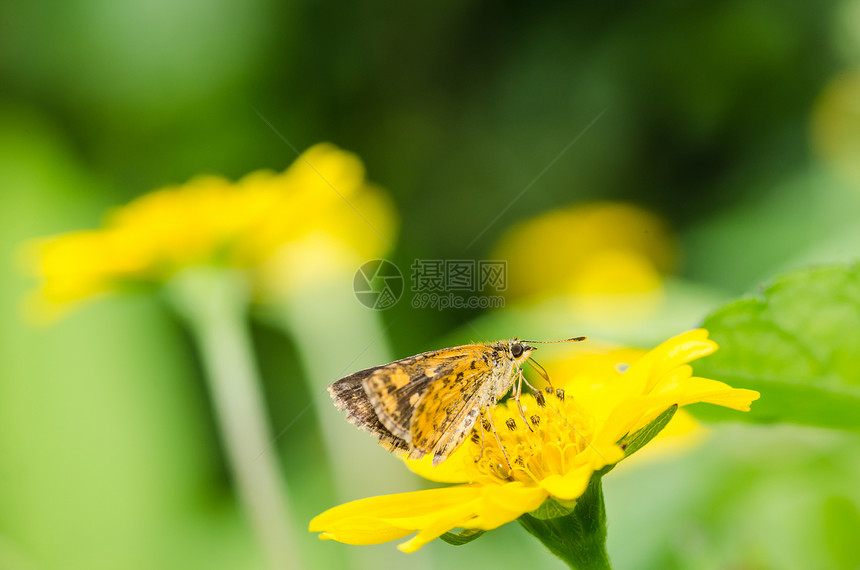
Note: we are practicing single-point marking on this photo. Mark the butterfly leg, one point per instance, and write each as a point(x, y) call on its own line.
point(529, 383)
point(541, 371)
point(498, 439)
point(481, 431)
point(519, 392)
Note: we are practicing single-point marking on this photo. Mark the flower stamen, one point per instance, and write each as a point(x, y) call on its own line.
point(542, 446)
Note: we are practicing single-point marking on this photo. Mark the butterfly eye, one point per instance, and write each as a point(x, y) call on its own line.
point(516, 350)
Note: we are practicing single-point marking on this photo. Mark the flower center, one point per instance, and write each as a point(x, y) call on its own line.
point(554, 431)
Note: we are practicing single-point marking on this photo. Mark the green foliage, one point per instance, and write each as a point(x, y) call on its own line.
point(552, 508)
point(798, 344)
point(781, 497)
point(463, 537)
point(579, 536)
point(841, 529)
point(631, 443)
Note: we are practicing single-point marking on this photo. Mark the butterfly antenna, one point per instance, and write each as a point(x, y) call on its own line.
point(574, 339)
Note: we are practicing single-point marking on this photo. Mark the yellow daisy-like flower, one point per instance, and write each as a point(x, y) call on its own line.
point(599, 248)
point(836, 124)
point(608, 262)
point(571, 434)
point(322, 203)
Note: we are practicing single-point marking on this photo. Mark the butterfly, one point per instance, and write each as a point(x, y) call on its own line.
point(427, 404)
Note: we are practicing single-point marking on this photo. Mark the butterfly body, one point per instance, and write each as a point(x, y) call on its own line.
point(428, 403)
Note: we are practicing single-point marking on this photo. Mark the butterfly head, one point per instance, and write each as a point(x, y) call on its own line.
point(519, 350)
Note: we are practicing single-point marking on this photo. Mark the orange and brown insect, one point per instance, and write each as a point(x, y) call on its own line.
point(427, 404)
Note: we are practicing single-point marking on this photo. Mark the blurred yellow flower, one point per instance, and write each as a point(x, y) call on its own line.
point(321, 207)
point(572, 434)
point(598, 254)
point(836, 124)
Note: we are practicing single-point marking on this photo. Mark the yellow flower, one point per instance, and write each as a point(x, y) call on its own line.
point(598, 248)
point(572, 434)
point(596, 359)
point(321, 206)
point(836, 124)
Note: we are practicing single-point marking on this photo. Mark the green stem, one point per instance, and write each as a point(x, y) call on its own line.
point(578, 538)
point(336, 336)
point(214, 303)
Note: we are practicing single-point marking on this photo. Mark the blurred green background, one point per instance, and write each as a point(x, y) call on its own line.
point(737, 123)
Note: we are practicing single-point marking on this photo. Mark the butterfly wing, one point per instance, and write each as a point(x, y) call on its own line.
point(423, 404)
point(394, 390)
point(431, 400)
point(444, 417)
point(349, 396)
point(381, 399)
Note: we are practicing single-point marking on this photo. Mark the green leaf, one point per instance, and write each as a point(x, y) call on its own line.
point(798, 343)
point(579, 536)
point(552, 508)
point(631, 443)
point(463, 537)
point(841, 529)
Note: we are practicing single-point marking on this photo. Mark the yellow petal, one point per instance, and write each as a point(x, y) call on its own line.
point(446, 520)
point(431, 513)
point(635, 413)
point(387, 517)
point(595, 379)
point(452, 470)
point(672, 380)
point(602, 451)
point(569, 486)
point(489, 507)
point(363, 530)
point(395, 505)
point(674, 352)
point(494, 506)
point(715, 392)
point(502, 504)
point(680, 355)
